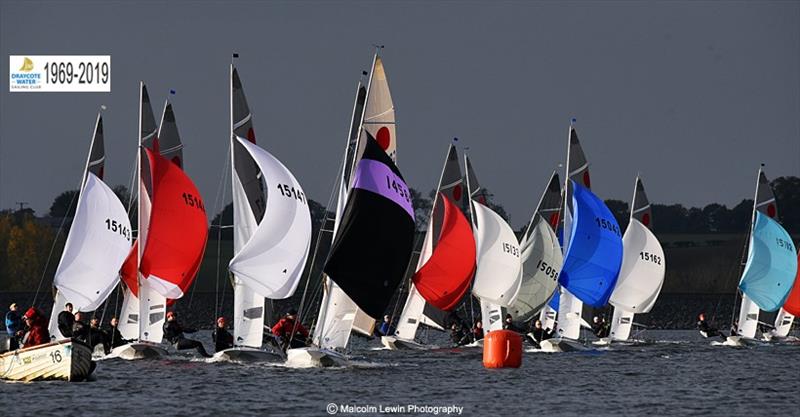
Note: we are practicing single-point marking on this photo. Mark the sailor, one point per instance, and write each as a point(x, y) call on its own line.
point(599, 327)
point(705, 328)
point(291, 332)
point(538, 333)
point(115, 338)
point(221, 337)
point(80, 330)
point(66, 320)
point(386, 326)
point(13, 326)
point(173, 332)
point(508, 324)
point(98, 336)
point(457, 334)
point(477, 330)
point(37, 328)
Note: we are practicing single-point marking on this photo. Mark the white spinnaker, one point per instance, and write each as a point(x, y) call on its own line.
point(499, 272)
point(748, 318)
point(541, 264)
point(783, 323)
point(639, 279)
point(272, 261)
point(248, 305)
point(97, 245)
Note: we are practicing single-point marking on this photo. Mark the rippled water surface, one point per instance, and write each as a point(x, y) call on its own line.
point(680, 374)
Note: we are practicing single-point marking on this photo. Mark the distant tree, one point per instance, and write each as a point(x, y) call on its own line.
point(26, 245)
point(696, 221)
point(717, 218)
point(669, 218)
point(64, 204)
point(620, 211)
point(787, 196)
point(422, 207)
point(740, 216)
point(496, 207)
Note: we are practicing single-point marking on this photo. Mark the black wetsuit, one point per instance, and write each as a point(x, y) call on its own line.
point(459, 336)
point(99, 336)
point(173, 332)
point(115, 338)
point(80, 331)
point(537, 335)
point(511, 326)
point(600, 329)
point(66, 321)
point(222, 339)
point(704, 327)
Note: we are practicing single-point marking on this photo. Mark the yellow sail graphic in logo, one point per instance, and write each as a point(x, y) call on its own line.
point(27, 65)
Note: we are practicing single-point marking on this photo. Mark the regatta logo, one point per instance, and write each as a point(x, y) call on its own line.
point(22, 74)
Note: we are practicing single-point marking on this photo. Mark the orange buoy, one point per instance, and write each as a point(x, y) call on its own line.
point(502, 349)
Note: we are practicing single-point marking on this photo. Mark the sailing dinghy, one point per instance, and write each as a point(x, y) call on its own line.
point(446, 263)
point(174, 228)
point(787, 313)
point(770, 269)
point(271, 233)
point(592, 248)
point(642, 272)
point(97, 244)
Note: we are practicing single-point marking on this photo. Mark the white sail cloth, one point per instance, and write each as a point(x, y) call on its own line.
point(98, 243)
point(541, 264)
point(272, 261)
point(642, 272)
point(499, 272)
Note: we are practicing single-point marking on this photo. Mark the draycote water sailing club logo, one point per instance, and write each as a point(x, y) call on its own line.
point(59, 73)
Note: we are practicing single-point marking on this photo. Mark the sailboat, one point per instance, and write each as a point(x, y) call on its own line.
point(787, 313)
point(446, 262)
point(642, 272)
point(339, 315)
point(271, 232)
point(541, 256)
point(771, 265)
point(592, 247)
point(174, 228)
point(498, 275)
point(97, 244)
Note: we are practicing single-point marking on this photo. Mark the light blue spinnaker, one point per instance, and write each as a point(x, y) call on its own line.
point(594, 252)
point(771, 264)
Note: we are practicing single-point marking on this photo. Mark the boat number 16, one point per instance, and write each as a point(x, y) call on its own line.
point(55, 356)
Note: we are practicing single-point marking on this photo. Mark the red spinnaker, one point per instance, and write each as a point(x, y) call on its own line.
point(445, 278)
point(129, 270)
point(792, 304)
point(176, 238)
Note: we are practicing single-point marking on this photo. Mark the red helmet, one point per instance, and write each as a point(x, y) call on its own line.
point(32, 314)
point(221, 320)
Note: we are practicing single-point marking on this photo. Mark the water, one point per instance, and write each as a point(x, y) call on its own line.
point(681, 374)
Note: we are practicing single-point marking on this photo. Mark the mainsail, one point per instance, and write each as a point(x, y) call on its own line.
point(541, 256)
point(98, 241)
point(771, 262)
point(643, 267)
point(447, 259)
point(370, 253)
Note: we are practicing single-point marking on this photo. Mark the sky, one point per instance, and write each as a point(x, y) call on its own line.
point(692, 95)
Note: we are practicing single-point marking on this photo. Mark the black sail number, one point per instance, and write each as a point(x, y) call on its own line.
point(292, 192)
point(784, 244)
point(547, 269)
point(193, 201)
point(511, 248)
point(118, 227)
point(399, 188)
point(607, 225)
point(650, 257)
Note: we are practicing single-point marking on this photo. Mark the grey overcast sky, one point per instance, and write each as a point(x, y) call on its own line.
point(692, 94)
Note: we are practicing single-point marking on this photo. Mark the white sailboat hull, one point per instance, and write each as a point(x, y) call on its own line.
point(313, 357)
point(248, 355)
point(61, 360)
point(138, 350)
point(396, 343)
point(561, 345)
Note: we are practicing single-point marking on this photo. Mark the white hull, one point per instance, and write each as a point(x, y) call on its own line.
point(248, 354)
point(561, 345)
point(603, 341)
point(61, 360)
point(396, 343)
point(313, 357)
point(138, 350)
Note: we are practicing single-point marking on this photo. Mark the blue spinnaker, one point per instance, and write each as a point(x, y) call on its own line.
point(594, 252)
point(771, 264)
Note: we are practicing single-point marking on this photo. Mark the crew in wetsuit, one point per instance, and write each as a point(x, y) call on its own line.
point(538, 333)
point(386, 328)
point(477, 330)
point(66, 321)
point(599, 327)
point(173, 332)
point(458, 336)
point(13, 326)
point(221, 337)
point(704, 327)
point(98, 336)
point(508, 324)
point(80, 331)
point(292, 333)
point(115, 338)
